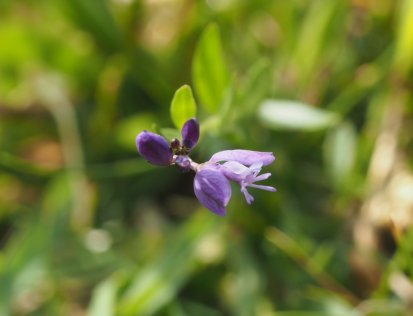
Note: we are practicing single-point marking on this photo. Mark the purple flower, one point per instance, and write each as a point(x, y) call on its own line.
point(241, 166)
point(212, 179)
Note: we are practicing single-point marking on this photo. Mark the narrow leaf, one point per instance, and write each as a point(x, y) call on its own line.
point(210, 73)
point(293, 115)
point(312, 37)
point(103, 299)
point(404, 39)
point(183, 106)
point(256, 86)
point(340, 152)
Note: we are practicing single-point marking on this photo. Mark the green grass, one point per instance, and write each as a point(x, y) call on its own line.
point(88, 227)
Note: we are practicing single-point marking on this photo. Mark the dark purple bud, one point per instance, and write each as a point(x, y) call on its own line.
point(213, 190)
point(154, 148)
point(183, 162)
point(190, 133)
point(175, 144)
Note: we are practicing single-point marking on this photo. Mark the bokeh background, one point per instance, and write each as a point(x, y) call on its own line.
point(87, 227)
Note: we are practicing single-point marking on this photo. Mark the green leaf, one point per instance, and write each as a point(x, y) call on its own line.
point(293, 115)
point(103, 299)
point(340, 152)
point(316, 23)
point(404, 39)
point(183, 106)
point(210, 73)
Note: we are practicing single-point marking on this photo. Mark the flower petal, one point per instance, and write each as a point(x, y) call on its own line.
point(213, 190)
point(245, 157)
point(262, 177)
point(247, 195)
point(235, 171)
point(190, 133)
point(263, 187)
point(154, 148)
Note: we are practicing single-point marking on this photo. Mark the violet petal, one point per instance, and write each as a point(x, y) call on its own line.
point(245, 157)
point(248, 197)
point(154, 148)
point(213, 190)
point(235, 171)
point(190, 133)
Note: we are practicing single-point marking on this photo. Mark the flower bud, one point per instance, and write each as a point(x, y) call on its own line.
point(154, 148)
point(190, 133)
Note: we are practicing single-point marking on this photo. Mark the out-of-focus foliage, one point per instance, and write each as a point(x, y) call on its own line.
point(87, 227)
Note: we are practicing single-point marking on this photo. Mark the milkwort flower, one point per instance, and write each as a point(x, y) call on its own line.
point(156, 149)
point(212, 179)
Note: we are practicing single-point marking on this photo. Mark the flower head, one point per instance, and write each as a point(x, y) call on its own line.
point(240, 166)
point(212, 179)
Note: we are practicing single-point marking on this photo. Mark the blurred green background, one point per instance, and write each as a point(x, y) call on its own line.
point(87, 227)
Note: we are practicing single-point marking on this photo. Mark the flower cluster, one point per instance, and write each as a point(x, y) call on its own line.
point(212, 179)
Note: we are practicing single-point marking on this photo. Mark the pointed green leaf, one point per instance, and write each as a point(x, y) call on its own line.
point(210, 73)
point(183, 106)
point(293, 115)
